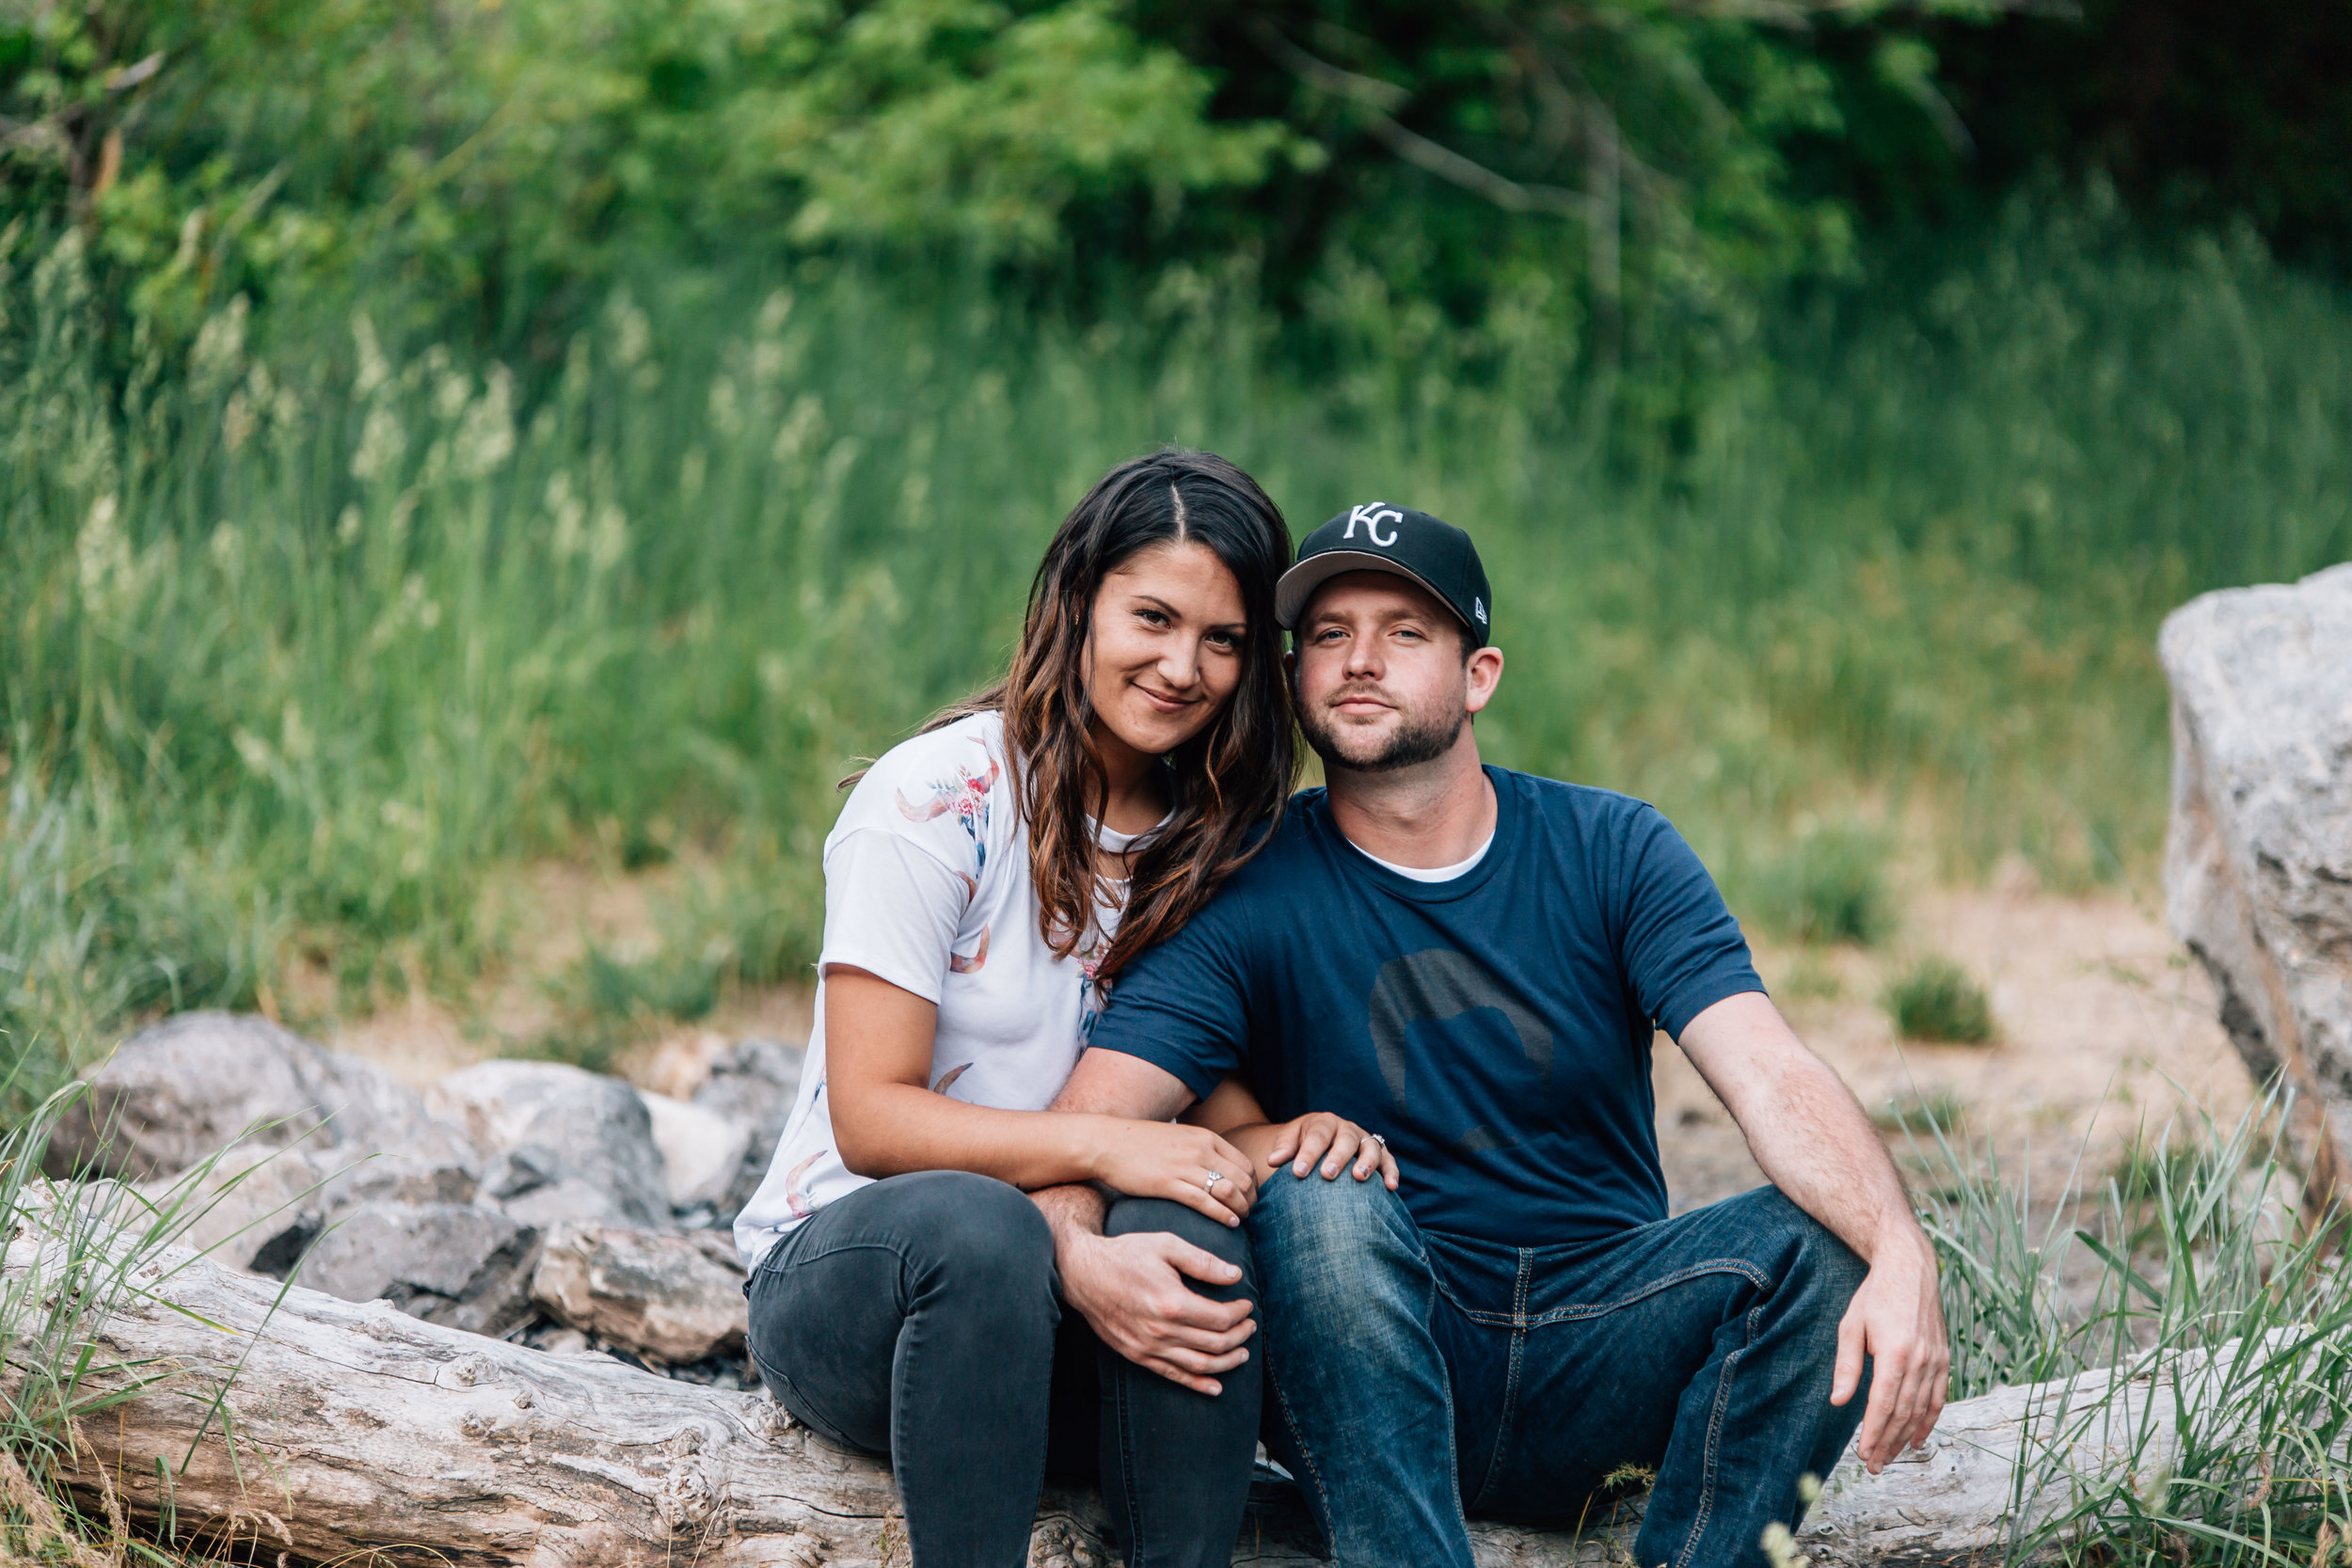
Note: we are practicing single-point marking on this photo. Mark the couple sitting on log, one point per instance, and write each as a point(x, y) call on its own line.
point(1152, 1108)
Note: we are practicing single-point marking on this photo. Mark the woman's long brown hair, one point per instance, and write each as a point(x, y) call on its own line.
point(1225, 783)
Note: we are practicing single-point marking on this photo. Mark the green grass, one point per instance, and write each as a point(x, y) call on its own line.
point(2205, 1275)
point(304, 642)
point(1935, 999)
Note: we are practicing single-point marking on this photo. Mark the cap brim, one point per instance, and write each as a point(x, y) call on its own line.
point(1297, 585)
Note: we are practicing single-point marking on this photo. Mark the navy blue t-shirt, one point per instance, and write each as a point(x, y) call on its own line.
point(1494, 1028)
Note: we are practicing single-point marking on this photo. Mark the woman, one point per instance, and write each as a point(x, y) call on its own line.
point(984, 881)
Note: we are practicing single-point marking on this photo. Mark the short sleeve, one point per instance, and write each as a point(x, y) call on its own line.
point(1183, 1006)
point(892, 908)
point(1683, 950)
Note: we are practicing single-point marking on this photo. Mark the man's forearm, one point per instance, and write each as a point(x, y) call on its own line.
point(1816, 1145)
point(1073, 1213)
point(1804, 1127)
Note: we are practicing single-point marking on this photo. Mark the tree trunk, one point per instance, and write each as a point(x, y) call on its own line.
point(293, 1422)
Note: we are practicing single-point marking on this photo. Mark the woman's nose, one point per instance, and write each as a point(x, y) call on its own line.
point(1180, 665)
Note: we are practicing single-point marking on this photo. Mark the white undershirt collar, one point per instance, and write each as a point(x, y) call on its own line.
point(1427, 874)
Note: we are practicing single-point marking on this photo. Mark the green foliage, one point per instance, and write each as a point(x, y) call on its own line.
point(1935, 999)
point(1829, 887)
point(300, 645)
point(493, 158)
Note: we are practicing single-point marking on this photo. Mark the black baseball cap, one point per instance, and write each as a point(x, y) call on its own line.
point(1377, 537)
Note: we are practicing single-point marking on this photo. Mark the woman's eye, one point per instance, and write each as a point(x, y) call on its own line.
point(1224, 640)
point(1150, 617)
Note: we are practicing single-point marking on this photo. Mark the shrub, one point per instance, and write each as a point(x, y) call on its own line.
point(1832, 887)
point(1937, 999)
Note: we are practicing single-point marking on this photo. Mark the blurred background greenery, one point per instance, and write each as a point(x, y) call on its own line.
point(436, 439)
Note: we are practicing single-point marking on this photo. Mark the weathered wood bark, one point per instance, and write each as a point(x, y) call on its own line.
point(319, 1428)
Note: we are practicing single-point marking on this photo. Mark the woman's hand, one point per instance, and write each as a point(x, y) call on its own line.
point(1318, 1135)
point(1190, 1164)
point(1323, 1141)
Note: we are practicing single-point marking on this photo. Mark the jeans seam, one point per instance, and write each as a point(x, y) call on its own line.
point(1740, 1266)
point(1315, 1471)
point(1714, 1441)
point(1509, 1382)
point(1128, 1480)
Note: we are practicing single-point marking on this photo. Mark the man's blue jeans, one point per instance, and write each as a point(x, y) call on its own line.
point(1416, 1378)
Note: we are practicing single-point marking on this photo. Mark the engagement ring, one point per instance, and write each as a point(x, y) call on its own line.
point(1381, 1141)
point(1214, 1177)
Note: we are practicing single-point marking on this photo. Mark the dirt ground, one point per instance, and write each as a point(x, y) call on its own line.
point(2105, 1025)
point(2104, 1022)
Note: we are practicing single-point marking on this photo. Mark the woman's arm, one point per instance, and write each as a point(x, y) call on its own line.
point(887, 1120)
point(1233, 1110)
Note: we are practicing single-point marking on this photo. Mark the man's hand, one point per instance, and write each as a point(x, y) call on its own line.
point(1132, 1290)
point(1897, 1320)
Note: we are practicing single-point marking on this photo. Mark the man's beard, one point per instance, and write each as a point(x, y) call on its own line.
point(1414, 741)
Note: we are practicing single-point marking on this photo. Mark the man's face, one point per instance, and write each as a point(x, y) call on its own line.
point(1379, 675)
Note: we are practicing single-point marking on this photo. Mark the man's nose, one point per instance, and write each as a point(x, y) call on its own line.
point(1363, 657)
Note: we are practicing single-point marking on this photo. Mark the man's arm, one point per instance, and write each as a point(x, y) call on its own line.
point(1131, 1287)
point(1809, 1135)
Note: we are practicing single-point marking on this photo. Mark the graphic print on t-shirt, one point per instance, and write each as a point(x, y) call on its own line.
point(1434, 985)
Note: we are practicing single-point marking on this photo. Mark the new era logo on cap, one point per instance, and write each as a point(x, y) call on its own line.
point(1378, 537)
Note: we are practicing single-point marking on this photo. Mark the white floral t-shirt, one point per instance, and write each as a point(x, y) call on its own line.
point(927, 885)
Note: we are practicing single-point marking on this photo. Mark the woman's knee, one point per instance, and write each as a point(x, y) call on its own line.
point(961, 1231)
point(1228, 1243)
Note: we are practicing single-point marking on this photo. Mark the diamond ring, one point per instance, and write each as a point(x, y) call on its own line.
point(1214, 1177)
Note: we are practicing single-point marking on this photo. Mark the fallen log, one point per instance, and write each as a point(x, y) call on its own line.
point(278, 1420)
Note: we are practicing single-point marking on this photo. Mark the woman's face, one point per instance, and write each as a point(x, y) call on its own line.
point(1165, 651)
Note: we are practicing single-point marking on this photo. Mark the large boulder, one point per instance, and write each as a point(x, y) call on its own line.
point(2258, 870)
point(459, 1264)
point(178, 1093)
point(566, 1143)
point(754, 1083)
point(672, 1299)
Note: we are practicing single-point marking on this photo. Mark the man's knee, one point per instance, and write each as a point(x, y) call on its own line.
point(1315, 1236)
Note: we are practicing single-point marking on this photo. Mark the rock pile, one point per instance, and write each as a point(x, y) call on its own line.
point(527, 1200)
point(2258, 868)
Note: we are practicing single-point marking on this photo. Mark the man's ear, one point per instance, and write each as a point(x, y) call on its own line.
point(1482, 675)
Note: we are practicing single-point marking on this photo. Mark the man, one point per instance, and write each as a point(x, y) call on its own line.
point(1468, 963)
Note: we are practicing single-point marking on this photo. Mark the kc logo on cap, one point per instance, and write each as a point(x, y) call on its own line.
point(1378, 537)
point(1372, 514)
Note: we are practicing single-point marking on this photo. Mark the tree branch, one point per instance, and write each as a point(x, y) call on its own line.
point(1377, 98)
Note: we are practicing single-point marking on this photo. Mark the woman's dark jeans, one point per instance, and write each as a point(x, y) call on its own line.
point(921, 1317)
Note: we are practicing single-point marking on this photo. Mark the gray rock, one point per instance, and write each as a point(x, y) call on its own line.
point(566, 1144)
point(459, 1264)
point(755, 1082)
point(665, 1298)
point(701, 1149)
point(2258, 868)
point(182, 1091)
point(253, 1208)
